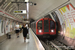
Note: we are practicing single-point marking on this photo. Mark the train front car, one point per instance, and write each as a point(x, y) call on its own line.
point(45, 28)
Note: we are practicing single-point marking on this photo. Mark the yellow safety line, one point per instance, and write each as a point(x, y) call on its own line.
point(35, 41)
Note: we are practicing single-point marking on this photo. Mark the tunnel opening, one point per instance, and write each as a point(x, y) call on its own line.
point(58, 25)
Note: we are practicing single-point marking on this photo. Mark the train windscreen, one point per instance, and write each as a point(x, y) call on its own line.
point(46, 26)
point(52, 25)
point(40, 25)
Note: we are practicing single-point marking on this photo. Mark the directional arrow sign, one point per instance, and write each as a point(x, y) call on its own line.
point(20, 11)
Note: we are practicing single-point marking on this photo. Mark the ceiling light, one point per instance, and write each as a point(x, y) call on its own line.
point(31, 4)
point(26, 0)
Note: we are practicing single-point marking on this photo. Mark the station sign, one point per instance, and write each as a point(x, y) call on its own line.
point(19, 11)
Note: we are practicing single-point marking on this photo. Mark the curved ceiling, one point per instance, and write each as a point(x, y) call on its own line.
point(35, 11)
point(43, 7)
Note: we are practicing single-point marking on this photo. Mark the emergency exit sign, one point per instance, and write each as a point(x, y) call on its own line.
point(20, 11)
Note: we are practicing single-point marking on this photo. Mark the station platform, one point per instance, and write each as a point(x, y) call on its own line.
point(15, 43)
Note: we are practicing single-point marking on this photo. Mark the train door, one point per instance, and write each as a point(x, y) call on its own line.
point(46, 26)
point(52, 27)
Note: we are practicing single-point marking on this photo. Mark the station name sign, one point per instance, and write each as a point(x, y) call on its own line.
point(19, 11)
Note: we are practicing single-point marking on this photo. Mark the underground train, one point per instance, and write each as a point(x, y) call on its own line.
point(44, 28)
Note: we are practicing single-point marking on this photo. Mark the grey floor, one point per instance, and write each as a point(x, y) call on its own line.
point(18, 43)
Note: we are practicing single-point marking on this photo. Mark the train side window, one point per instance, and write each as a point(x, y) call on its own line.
point(39, 25)
point(52, 25)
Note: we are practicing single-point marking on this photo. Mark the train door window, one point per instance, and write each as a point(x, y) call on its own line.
point(52, 24)
point(46, 26)
point(40, 25)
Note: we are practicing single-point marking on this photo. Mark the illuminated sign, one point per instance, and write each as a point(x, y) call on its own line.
point(20, 11)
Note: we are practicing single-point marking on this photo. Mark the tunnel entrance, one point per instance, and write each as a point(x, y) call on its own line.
point(57, 21)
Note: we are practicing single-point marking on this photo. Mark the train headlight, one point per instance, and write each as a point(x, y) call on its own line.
point(52, 30)
point(40, 31)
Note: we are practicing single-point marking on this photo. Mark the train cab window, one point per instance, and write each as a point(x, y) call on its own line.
point(40, 25)
point(46, 26)
point(52, 25)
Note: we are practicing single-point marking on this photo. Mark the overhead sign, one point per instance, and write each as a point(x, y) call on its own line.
point(20, 11)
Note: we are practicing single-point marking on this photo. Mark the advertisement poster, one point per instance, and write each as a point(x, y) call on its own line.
point(6, 27)
point(68, 13)
point(0, 27)
point(11, 26)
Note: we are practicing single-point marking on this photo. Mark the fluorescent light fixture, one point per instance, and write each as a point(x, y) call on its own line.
point(24, 11)
point(27, 10)
point(20, 11)
point(26, 0)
